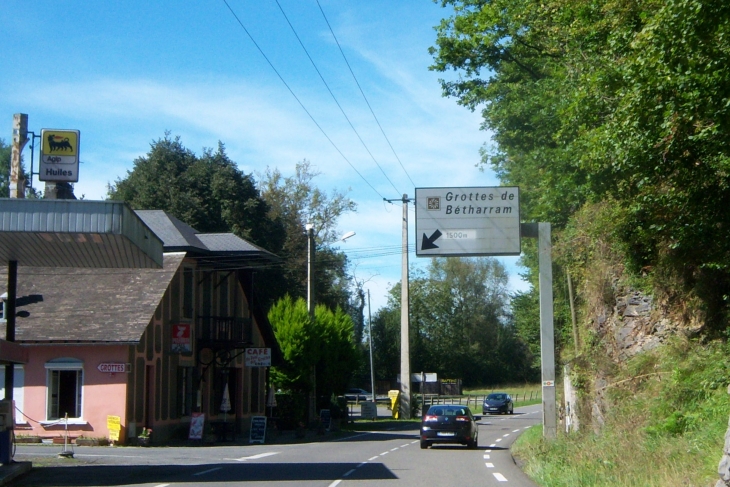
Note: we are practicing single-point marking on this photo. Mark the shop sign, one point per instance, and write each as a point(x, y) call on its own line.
point(258, 357)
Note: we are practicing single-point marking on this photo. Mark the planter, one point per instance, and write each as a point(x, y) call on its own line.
point(87, 442)
point(28, 439)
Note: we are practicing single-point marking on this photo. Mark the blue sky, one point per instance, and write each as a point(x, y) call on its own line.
point(125, 72)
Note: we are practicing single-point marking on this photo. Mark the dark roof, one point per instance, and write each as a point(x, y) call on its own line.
point(216, 250)
point(89, 305)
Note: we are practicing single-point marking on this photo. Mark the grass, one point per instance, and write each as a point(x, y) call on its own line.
point(665, 429)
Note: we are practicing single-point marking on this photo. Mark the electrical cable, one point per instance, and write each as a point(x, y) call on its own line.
point(298, 100)
point(363, 94)
point(333, 95)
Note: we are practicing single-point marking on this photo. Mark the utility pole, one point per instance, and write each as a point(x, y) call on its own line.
point(370, 335)
point(405, 353)
point(310, 308)
point(20, 138)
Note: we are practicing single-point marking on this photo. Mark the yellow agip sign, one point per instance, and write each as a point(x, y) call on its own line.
point(59, 155)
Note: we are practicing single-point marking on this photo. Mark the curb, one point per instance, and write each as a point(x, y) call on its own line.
point(10, 472)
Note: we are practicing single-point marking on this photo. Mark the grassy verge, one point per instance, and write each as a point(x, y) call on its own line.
point(665, 426)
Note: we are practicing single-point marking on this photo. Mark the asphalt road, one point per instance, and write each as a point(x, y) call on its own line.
point(362, 459)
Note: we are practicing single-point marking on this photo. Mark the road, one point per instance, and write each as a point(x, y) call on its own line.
point(362, 459)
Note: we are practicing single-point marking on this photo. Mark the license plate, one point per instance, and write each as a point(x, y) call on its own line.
point(445, 433)
point(493, 409)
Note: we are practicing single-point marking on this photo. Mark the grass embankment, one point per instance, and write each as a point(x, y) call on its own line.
point(665, 425)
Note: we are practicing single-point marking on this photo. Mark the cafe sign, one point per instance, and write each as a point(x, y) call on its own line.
point(258, 357)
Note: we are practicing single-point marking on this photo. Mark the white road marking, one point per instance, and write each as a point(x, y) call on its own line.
point(412, 442)
point(336, 482)
point(492, 445)
point(403, 446)
point(372, 458)
point(505, 436)
point(384, 453)
point(489, 465)
point(515, 431)
point(162, 485)
point(498, 440)
point(363, 463)
point(499, 477)
point(349, 473)
point(394, 449)
point(486, 457)
point(256, 457)
point(208, 471)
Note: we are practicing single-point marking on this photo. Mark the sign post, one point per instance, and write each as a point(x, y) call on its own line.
point(114, 425)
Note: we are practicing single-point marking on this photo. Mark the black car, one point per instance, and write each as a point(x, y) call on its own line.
point(498, 402)
point(449, 424)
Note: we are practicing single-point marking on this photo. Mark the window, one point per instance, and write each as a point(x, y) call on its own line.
point(223, 296)
point(184, 390)
point(187, 293)
point(65, 386)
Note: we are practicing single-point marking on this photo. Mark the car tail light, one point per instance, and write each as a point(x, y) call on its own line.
point(427, 419)
point(462, 418)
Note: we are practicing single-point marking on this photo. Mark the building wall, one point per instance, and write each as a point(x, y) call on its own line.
point(102, 393)
point(155, 398)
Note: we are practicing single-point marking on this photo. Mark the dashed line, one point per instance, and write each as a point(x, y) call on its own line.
point(256, 457)
point(403, 446)
point(505, 436)
point(412, 442)
point(384, 453)
point(394, 449)
point(498, 440)
point(515, 431)
point(372, 458)
point(162, 485)
point(486, 457)
point(208, 471)
point(499, 477)
point(489, 465)
point(350, 472)
point(492, 445)
point(336, 482)
point(363, 463)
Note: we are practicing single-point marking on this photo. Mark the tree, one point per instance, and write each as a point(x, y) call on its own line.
point(325, 343)
point(595, 100)
point(6, 152)
point(296, 202)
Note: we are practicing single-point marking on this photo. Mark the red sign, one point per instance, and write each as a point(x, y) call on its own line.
point(181, 341)
point(112, 368)
point(258, 357)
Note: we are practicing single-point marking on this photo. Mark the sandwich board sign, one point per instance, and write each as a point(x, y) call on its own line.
point(59, 155)
point(471, 221)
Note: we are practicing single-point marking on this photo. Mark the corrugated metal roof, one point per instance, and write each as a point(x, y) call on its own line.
point(72, 233)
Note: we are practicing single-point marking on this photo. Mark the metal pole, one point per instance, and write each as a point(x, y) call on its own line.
point(547, 340)
point(310, 308)
point(370, 333)
point(405, 364)
point(9, 312)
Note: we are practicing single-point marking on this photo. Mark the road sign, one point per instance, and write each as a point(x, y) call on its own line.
point(59, 155)
point(467, 221)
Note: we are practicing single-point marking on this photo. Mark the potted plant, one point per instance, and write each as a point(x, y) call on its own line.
point(145, 436)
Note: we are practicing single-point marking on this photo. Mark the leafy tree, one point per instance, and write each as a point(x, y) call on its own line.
point(6, 152)
point(590, 100)
point(325, 343)
point(296, 201)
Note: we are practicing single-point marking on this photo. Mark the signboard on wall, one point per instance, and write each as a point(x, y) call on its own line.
point(470, 221)
point(181, 339)
point(258, 357)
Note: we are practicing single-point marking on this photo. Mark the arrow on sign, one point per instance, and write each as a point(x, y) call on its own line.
point(428, 242)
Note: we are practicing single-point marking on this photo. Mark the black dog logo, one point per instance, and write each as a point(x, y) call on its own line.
point(57, 143)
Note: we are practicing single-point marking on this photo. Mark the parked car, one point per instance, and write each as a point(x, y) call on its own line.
point(358, 395)
point(498, 402)
point(449, 424)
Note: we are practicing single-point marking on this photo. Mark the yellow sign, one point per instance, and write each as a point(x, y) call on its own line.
point(114, 423)
point(60, 142)
point(394, 396)
point(59, 159)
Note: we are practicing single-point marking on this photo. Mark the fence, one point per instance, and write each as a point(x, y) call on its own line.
point(476, 400)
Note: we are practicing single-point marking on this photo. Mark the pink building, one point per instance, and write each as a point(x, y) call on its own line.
point(149, 346)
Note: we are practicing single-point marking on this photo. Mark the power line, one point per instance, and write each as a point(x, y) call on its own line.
point(363, 94)
point(297, 98)
point(333, 96)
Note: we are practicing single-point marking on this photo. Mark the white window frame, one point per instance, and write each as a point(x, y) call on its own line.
point(65, 364)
